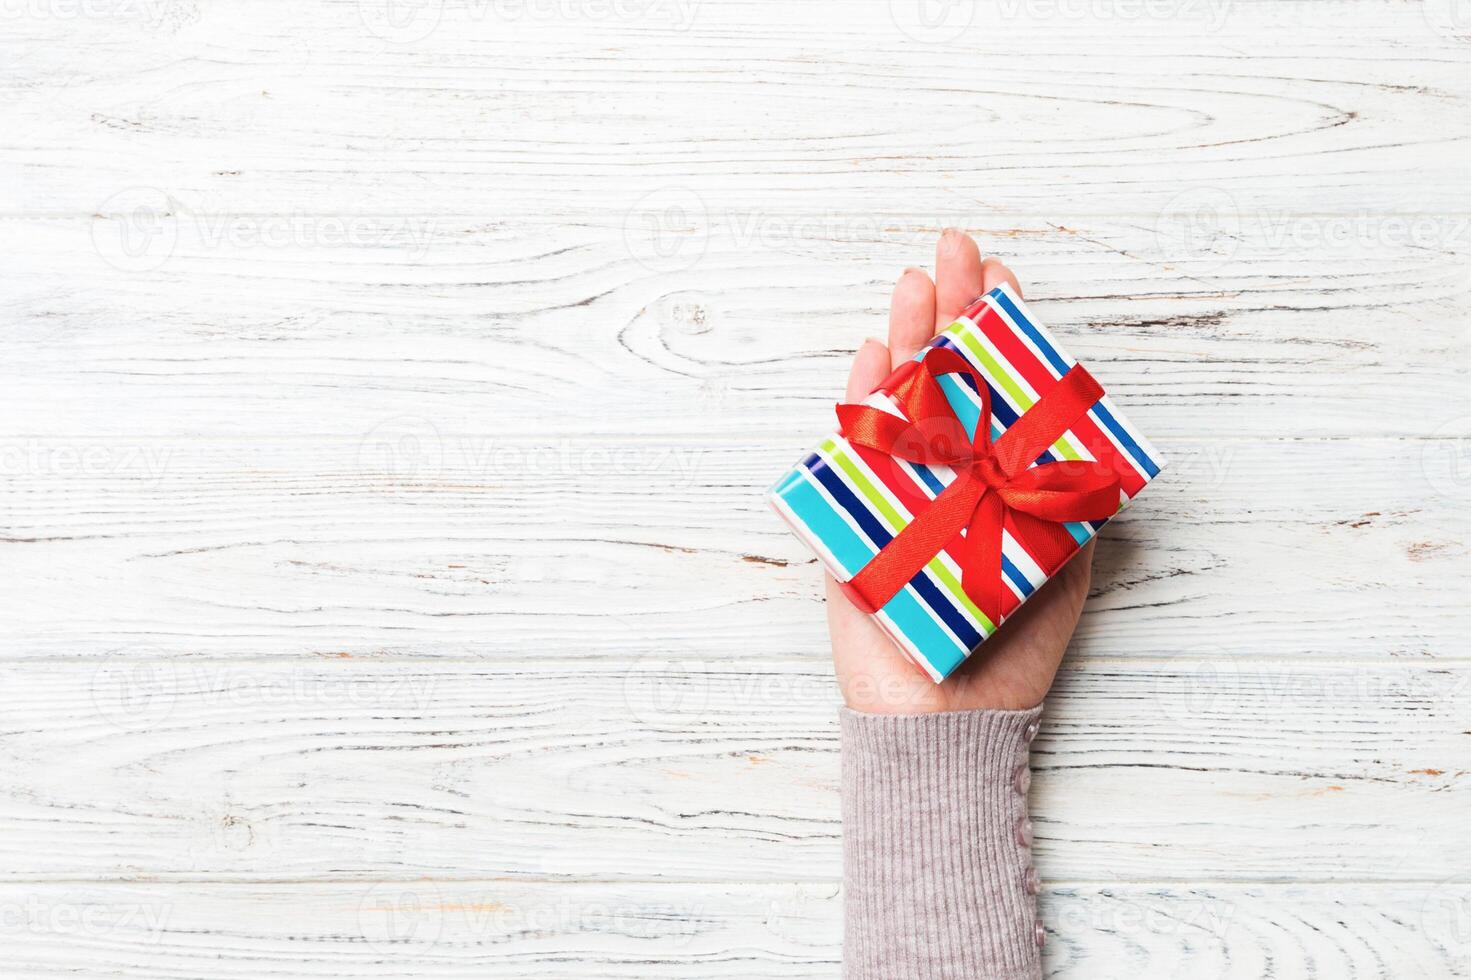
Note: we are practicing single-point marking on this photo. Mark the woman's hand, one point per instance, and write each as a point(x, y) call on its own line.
point(1014, 668)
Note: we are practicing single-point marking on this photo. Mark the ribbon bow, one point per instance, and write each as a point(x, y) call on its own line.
point(995, 485)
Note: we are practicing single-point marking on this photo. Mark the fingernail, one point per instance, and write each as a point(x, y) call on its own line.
point(912, 270)
point(872, 340)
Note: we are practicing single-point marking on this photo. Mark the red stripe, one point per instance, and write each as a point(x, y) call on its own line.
point(1037, 374)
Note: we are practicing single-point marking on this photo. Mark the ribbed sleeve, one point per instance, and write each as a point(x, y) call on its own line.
point(938, 878)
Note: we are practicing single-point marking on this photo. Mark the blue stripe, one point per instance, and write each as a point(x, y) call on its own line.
point(818, 515)
point(880, 537)
point(1080, 530)
point(1122, 435)
point(937, 646)
point(927, 477)
point(866, 519)
point(1053, 358)
point(852, 553)
point(1102, 414)
point(968, 413)
point(791, 476)
point(1016, 576)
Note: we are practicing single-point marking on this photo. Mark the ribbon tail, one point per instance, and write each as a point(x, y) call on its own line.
point(981, 557)
point(1049, 543)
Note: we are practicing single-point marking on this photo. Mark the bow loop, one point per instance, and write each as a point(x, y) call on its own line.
point(1076, 490)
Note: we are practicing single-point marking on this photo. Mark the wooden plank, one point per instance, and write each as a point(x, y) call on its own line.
point(545, 328)
point(429, 930)
point(417, 544)
point(462, 108)
point(258, 772)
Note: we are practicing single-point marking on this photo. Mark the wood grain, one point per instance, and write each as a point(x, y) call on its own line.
point(386, 396)
point(311, 110)
point(244, 335)
point(412, 543)
point(443, 930)
point(1154, 771)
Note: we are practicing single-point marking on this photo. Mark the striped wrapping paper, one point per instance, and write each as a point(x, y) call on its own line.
point(847, 502)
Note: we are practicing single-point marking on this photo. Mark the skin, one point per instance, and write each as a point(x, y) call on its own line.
point(1015, 668)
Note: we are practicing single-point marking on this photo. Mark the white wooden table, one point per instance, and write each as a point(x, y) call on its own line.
point(386, 394)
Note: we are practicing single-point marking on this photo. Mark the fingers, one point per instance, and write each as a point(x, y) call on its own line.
point(959, 278)
point(920, 308)
point(994, 272)
point(911, 316)
point(870, 368)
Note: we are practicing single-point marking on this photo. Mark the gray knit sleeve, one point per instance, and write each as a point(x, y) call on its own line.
point(938, 877)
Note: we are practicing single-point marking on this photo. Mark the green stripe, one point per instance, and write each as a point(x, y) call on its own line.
point(995, 370)
point(1002, 377)
point(861, 481)
point(897, 523)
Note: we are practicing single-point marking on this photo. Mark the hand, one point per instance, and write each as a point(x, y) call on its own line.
point(1015, 667)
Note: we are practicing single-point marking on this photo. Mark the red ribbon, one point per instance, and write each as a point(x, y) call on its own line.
point(995, 485)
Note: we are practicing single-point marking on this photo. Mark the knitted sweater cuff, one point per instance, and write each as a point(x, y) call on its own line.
point(938, 877)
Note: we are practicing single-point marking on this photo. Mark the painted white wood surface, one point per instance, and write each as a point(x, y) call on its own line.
point(331, 647)
point(726, 771)
point(470, 930)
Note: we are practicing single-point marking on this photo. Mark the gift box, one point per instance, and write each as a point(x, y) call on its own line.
point(941, 527)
